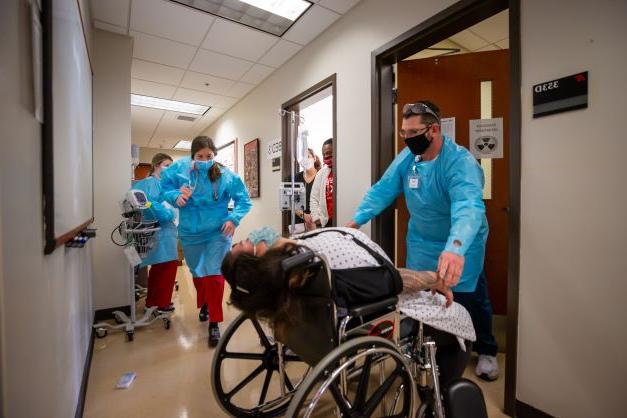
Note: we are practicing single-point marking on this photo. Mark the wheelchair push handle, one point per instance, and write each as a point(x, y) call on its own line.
point(296, 260)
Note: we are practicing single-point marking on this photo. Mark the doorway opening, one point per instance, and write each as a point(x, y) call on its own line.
point(465, 59)
point(316, 111)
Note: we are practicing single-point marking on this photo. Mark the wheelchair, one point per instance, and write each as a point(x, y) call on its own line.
point(360, 364)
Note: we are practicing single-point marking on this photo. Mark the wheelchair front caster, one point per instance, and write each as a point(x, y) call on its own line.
point(166, 323)
point(130, 335)
point(101, 332)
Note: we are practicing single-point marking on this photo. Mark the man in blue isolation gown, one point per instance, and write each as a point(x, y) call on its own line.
point(447, 232)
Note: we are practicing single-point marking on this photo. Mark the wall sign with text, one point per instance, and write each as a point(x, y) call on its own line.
point(561, 95)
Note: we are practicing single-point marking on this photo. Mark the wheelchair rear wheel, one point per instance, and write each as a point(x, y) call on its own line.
point(383, 387)
point(245, 371)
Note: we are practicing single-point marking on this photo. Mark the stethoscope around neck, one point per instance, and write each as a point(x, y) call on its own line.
point(193, 185)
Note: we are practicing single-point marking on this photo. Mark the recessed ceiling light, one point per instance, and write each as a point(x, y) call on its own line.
point(183, 145)
point(289, 9)
point(165, 104)
point(271, 16)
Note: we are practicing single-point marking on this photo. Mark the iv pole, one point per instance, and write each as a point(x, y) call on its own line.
point(294, 128)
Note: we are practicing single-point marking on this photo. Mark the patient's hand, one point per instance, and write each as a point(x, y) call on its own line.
point(444, 290)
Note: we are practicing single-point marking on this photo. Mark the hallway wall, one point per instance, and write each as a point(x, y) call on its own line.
point(572, 329)
point(46, 301)
point(344, 49)
point(112, 163)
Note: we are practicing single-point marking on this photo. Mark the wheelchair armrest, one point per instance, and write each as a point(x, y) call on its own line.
point(364, 310)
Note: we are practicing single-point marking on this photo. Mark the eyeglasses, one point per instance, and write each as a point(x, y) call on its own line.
point(412, 132)
point(419, 109)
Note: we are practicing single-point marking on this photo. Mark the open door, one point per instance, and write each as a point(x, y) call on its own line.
point(454, 83)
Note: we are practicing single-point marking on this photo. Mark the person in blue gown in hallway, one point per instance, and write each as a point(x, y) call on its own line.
point(202, 189)
point(447, 232)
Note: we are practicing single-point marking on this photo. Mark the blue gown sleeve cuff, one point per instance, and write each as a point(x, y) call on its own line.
point(451, 247)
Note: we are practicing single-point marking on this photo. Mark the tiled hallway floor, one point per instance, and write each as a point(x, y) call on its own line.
point(173, 368)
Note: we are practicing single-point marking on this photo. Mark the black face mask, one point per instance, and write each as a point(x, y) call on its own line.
point(418, 144)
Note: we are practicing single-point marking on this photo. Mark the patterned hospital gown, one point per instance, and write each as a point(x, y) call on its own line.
point(342, 253)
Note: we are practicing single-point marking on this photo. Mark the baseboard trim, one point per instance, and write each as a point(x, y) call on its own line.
point(80, 406)
point(524, 410)
point(105, 314)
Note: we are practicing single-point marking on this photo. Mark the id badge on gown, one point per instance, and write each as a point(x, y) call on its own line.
point(414, 181)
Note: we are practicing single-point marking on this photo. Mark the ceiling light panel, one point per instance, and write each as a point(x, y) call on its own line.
point(173, 105)
point(289, 9)
point(272, 16)
point(183, 145)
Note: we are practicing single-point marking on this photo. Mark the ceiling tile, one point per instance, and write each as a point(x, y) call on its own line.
point(142, 141)
point(340, 6)
point(168, 144)
point(240, 90)
point(490, 47)
point(202, 124)
point(114, 12)
point(257, 74)
point(504, 44)
point(144, 120)
point(197, 97)
point(207, 83)
point(215, 112)
point(227, 102)
point(469, 40)
point(109, 27)
point(494, 28)
point(219, 65)
point(156, 72)
point(162, 51)
point(238, 40)
point(310, 25)
point(170, 128)
point(149, 88)
point(145, 117)
point(280, 53)
point(170, 20)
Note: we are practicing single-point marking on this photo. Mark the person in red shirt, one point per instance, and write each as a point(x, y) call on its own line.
point(321, 201)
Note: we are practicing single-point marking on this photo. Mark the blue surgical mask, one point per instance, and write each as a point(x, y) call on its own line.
point(203, 165)
point(267, 234)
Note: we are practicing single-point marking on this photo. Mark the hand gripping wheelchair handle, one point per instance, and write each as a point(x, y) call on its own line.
point(297, 260)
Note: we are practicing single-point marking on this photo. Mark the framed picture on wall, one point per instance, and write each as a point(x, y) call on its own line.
point(251, 167)
point(227, 155)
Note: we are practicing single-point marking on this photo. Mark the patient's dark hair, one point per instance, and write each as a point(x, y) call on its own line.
point(260, 287)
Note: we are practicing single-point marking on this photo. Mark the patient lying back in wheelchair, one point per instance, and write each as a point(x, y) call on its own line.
point(361, 273)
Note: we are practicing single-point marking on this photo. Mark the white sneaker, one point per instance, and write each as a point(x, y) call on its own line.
point(487, 368)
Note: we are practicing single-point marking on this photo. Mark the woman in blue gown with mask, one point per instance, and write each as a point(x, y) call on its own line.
point(202, 189)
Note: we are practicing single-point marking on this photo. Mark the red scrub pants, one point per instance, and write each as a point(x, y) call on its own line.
point(161, 278)
point(210, 290)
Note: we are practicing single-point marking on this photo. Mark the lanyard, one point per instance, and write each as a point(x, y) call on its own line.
point(193, 184)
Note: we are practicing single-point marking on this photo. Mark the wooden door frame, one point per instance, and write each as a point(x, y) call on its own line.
point(286, 153)
point(448, 22)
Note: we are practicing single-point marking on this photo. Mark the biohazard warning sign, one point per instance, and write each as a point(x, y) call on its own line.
point(486, 138)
